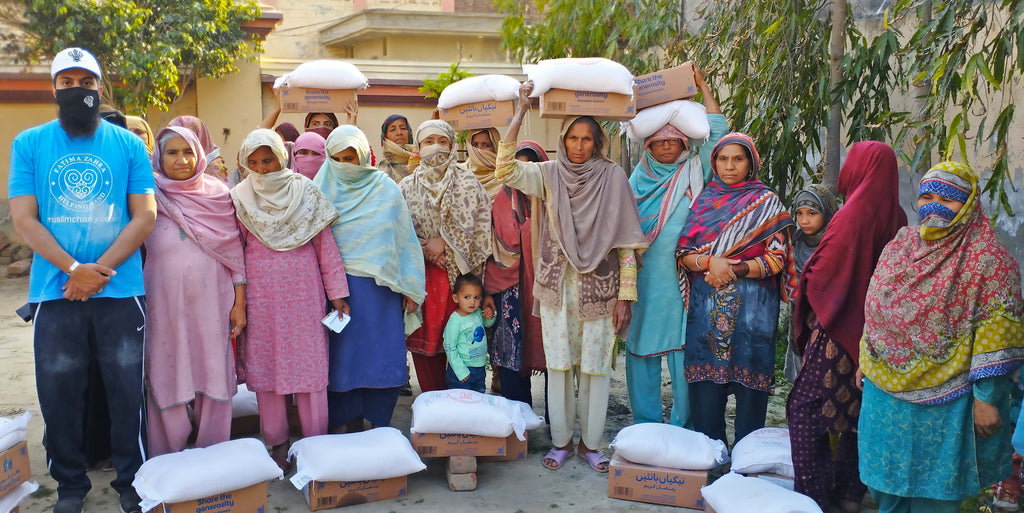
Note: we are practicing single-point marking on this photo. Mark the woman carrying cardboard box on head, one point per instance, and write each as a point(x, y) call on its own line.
point(588, 241)
point(670, 175)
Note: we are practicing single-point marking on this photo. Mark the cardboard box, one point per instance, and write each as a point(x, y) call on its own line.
point(15, 468)
point(479, 115)
point(666, 85)
point(559, 103)
point(432, 445)
point(301, 99)
point(657, 485)
point(336, 494)
point(515, 450)
point(246, 500)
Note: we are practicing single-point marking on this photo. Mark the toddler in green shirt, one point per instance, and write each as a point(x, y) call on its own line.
point(465, 341)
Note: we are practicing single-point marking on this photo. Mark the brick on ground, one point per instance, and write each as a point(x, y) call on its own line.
point(19, 268)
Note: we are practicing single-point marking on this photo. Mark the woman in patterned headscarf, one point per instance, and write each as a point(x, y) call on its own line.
point(396, 147)
point(828, 321)
point(942, 335)
point(735, 263)
point(293, 267)
point(452, 216)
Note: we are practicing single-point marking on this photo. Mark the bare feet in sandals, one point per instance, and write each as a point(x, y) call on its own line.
point(556, 457)
point(596, 459)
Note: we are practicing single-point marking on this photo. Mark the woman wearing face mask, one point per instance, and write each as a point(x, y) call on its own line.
point(292, 266)
point(828, 320)
point(195, 282)
point(452, 217)
point(396, 147)
point(587, 243)
point(384, 266)
point(735, 263)
point(942, 335)
point(309, 154)
point(670, 175)
point(215, 164)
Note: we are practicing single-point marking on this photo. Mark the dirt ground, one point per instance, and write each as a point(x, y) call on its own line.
point(523, 486)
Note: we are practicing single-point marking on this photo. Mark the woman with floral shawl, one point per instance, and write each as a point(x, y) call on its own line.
point(384, 264)
point(587, 236)
point(195, 279)
point(293, 267)
point(942, 336)
point(670, 175)
point(396, 147)
point(215, 165)
point(452, 217)
point(735, 263)
point(828, 320)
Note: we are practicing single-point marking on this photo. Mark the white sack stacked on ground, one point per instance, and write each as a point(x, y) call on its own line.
point(243, 404)
point(380, 453)
point(467, 412)
point(479, 89)
point(324, 74)
point(593, 74)
point(665, 445)
point(12, 430)
point(764, 450)
point(733, 493)
point(196, 473)
point(11, 500)
point(691, 118)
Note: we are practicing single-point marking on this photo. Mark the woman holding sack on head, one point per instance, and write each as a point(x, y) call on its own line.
point(396, 147)
point(942, 337)
point(669, 176)
point(735, 263)
point(587, 245)
point(195, 279)
point(293, 267)
point(452, 217)
point(828, 320)
point(384, 267)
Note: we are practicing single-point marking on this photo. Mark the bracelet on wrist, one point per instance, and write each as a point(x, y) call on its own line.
point(74, 265)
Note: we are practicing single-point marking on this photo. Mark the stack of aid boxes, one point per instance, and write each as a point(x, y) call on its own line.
point(16, 475)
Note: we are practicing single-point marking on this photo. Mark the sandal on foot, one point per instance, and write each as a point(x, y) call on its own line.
point(595, 458)
point(556, 455)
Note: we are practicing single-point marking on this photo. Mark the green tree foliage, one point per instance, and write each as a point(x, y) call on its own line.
point(769, 61)
point(432, 88)
point(152, 48)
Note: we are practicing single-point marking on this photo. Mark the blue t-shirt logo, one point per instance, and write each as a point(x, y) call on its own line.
point(80, 182)
point(478, 334)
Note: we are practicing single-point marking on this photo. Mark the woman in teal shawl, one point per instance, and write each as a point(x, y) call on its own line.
point(384, 264)
point(671, 173)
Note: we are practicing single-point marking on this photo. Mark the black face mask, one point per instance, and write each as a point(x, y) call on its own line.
point(79, 108)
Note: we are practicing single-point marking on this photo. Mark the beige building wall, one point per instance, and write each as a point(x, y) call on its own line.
point(18, 117)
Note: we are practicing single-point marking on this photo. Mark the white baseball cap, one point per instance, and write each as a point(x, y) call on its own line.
point(74, 57)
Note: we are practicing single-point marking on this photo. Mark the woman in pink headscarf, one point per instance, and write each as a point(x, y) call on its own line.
point(309, 152)
point(195, 283)
point(215, 165)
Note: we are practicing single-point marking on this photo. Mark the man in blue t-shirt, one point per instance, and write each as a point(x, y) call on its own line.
point(81, 196)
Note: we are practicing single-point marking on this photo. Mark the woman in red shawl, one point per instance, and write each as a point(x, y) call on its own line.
point(827, 325)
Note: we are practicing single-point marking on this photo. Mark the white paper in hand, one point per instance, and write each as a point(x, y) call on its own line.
point(336, 321)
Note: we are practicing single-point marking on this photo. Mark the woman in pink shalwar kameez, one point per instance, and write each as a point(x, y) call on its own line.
point(195, 292)
point(291, 262)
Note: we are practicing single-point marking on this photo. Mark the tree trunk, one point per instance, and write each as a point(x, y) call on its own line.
point(924, 13)
point(837, 48)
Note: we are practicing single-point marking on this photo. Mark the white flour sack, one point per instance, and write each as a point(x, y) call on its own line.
point(733, 493)
point(14, 497)
point(764, 450)
point(380, 453)
point(12, 430)
point(691, 118)
point(324, 74)
point(593, 74)
point(665, 445)
point(479, 89)
point(466, 412)
point(196, 473)
point(243, 404)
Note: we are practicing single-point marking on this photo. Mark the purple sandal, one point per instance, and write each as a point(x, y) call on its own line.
point(595, 458)
point(558, 456)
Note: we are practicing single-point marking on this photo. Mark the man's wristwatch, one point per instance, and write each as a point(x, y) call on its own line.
point(72, 268)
